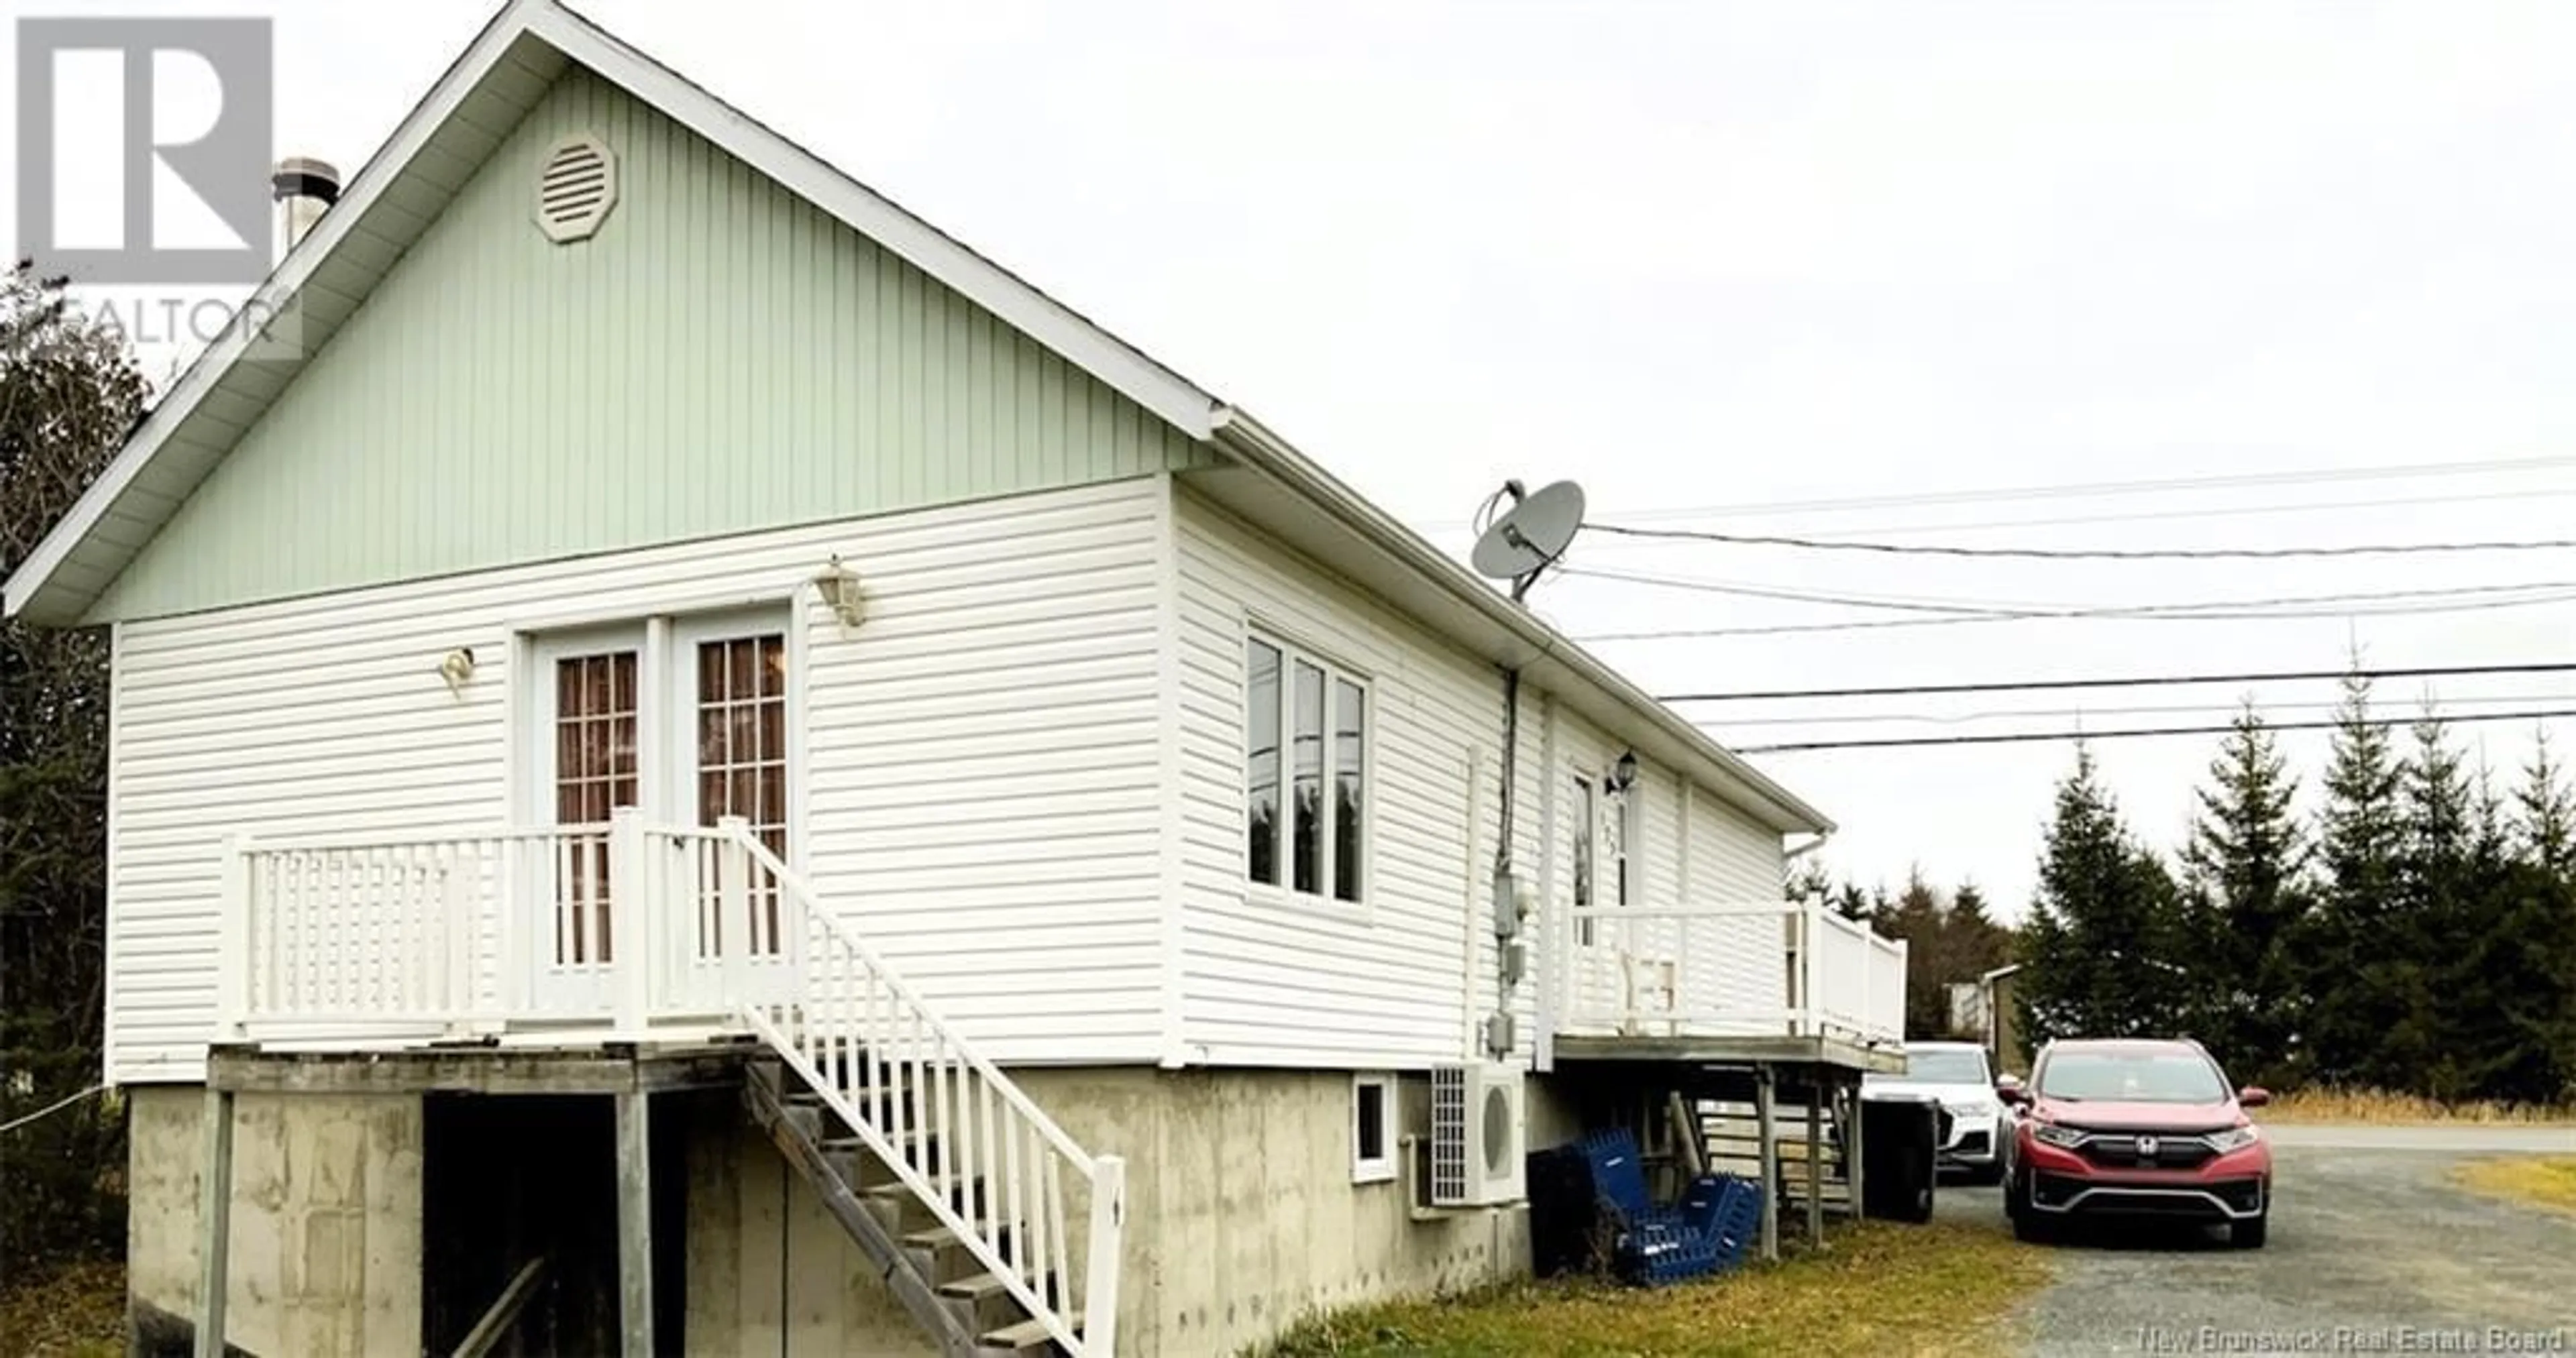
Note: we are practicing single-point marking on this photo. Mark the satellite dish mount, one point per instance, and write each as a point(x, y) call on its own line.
point(1524, 540)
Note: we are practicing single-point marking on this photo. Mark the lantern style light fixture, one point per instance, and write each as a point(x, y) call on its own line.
point(456, 668)
point(838, 587)
point(1623, 775)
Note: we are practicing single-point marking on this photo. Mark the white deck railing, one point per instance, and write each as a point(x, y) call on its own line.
point(1725, 969)
point(622, 924)
point(993, 1167)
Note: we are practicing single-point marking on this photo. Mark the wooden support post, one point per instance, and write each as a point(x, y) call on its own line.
point(1852, 1147)
point(1687, 1134)
point(1767, 1156)
point(634, 1225)
point(1815, 1162)
point(214, 1222)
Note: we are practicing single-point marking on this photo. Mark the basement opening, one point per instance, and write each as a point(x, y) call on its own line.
point(510, 1180)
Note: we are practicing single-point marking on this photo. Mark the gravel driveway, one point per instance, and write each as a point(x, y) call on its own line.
point(2368, 1234)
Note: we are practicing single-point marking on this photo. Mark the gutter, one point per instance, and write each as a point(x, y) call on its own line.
point(1238, 433)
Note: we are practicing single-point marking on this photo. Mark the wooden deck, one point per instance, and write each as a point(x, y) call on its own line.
point(1826, 1050)
point(596, 1068)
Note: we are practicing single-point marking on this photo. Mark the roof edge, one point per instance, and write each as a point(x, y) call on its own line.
point(1240, 434)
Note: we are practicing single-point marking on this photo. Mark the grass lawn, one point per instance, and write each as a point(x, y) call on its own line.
point(77, 1312)
point(2549, 1180)
point(2376, 1106)
point(1881, 1288)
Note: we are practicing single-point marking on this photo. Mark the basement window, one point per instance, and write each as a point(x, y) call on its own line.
point(1372, 1129)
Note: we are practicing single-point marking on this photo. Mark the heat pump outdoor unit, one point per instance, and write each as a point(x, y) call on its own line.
point(1478, 1131)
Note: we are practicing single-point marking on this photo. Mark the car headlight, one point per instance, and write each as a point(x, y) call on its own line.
point(2235, 1138)
point(2064, 1138)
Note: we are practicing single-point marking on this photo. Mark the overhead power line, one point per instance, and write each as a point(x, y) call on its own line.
point(2089, 713)
point(1920, 603)
point(2154, 515)
point(2127, 681)
point(2132, 733)
point(2084, 553)
point(2105, 490)
point(2373, 603)
point(2101, 489)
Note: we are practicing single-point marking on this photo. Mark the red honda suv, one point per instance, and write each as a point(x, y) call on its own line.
point(2136, 1128)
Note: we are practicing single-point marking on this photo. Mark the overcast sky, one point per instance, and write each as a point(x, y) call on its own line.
point(1725, 258)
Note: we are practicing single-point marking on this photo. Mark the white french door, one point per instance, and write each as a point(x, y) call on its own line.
point(686, 720)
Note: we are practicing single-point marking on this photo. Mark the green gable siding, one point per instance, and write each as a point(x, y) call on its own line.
point(722, 356)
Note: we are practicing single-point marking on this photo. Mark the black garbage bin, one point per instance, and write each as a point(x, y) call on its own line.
point(1900, 1146)
point(1563, 1213)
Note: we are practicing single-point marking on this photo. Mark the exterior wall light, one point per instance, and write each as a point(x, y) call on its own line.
point(838, 587)
point(456, 667)
point(1623, 775)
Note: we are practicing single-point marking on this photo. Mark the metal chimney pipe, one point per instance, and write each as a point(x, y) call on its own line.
point(303, 188)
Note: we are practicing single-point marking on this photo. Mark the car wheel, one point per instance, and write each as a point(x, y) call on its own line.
point(1987, 1176)
point(2029, 1226)
point(2249, 1233)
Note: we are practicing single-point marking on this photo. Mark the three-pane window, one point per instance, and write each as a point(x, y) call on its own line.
point(1305, 773)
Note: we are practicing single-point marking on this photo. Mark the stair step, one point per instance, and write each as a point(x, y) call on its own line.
point(981, 1303)
point(977, 1288)
point(1029, 1336)
point(931, 1238)
point(968, 1190)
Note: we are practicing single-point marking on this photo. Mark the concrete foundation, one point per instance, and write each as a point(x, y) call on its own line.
point(1242, 1218)
point(326, 1222)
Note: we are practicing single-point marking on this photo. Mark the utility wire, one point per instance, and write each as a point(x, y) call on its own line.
point(2023, 609)
point(2028, 737)
point(2143, 516)
point(2087, 713)
point(2095, 489)
point(50, 1109)
point(2085, 553)
point(2136, 681)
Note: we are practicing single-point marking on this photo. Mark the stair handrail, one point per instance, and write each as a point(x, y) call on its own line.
point(1105, 1173)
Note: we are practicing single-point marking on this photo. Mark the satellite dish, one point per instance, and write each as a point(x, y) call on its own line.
point(1531, 535)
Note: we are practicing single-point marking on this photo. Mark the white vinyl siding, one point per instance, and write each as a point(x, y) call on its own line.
point(981, 777)
point(1273, 978)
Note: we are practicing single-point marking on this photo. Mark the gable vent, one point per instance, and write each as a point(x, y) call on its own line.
point(575, 189)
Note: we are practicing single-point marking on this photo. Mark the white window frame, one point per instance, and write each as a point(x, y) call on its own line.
point(1284, 854)
point(1381, 1168)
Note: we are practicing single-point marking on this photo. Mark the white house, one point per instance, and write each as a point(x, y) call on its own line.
point(665, 633)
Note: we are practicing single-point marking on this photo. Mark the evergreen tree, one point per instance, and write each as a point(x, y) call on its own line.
point(2547, 816)
point(2360, 835)
point(2102, 947)
point(2432, 926)
point(2531, 947)
point(2247, 905)
point(69, 391)
point(1915, 919)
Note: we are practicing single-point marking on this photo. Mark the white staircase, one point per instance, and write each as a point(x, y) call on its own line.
point(993, 1227)
point(997, 1230)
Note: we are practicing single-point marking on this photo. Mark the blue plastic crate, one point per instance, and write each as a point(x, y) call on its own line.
point(1706, 1231)
point(1726, 1210)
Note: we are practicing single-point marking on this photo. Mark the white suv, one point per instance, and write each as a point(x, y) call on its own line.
point(1956, 1073)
